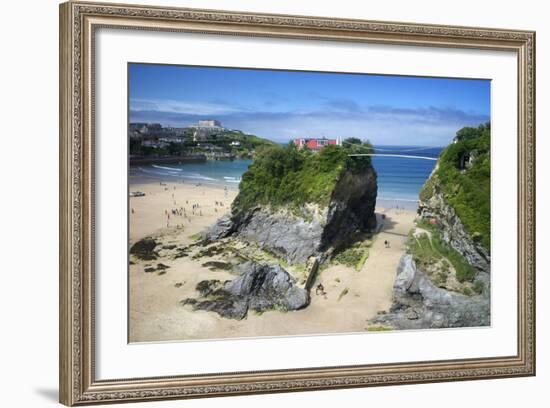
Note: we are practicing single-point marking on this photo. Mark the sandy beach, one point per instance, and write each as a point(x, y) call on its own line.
point(155, 312)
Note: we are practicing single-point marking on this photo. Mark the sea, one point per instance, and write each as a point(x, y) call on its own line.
point(401, 174)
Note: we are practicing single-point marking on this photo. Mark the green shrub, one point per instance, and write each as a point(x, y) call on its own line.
point(352, 257)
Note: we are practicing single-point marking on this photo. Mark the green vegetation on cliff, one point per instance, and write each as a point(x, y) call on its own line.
point(463, 177)
point(430, 249)
point(288, 176)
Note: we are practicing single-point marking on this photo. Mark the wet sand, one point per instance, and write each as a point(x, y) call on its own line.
point(156, 315)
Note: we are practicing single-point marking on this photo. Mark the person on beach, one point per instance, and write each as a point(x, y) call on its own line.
point(320, 290)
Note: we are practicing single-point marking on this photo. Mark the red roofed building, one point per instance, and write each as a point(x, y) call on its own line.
point(314, 143)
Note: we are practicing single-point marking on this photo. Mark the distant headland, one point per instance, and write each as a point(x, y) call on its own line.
point(153, 143)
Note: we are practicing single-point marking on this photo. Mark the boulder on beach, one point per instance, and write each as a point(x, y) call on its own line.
point(260, 287)
point(145, 249)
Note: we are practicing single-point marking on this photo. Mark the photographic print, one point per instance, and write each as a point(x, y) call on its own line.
point(281, 203)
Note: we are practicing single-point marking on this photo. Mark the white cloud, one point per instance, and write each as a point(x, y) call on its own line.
point(183, 107)
point(426, 126)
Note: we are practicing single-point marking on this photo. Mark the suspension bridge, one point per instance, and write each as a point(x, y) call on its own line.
point(406, 156)
point(403, 156)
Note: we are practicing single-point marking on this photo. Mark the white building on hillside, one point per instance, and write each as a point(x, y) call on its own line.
point(208, 124)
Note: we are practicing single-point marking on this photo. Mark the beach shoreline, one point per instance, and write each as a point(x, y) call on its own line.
point(155, 312)
point(228, 174)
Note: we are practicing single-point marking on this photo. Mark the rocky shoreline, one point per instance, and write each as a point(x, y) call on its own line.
point(419, 304)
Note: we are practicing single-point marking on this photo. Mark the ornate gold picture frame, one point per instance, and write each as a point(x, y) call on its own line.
point(78, 24)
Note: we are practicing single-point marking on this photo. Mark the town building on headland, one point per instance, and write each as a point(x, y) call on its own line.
point(314, 143)
point(208, 124)
point(203, 129)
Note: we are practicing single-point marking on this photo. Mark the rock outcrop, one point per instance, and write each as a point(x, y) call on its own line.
point(260, 287)
point(419, 304)
point(315, 230)
point(145, 249)
point(452, 229)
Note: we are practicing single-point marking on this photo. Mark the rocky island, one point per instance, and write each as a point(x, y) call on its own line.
point(296, 209)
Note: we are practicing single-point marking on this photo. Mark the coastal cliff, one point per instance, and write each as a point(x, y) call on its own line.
point(444, 278)
point(457, 196)
point(297, 204)
point(436, 209)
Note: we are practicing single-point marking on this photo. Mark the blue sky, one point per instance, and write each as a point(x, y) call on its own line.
point(282, 105)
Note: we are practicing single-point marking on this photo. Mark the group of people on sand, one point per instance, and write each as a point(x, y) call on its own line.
point(181, 212)
point(216, 204)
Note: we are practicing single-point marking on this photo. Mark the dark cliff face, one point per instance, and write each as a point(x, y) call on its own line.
point(351, 207)
point(314, 230)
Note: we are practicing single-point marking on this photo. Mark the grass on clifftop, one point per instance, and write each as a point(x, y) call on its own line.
point(467, 188)
point(288, 176)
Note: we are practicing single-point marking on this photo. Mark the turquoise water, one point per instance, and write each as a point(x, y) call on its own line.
point(217, 172)
point(399, 178)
